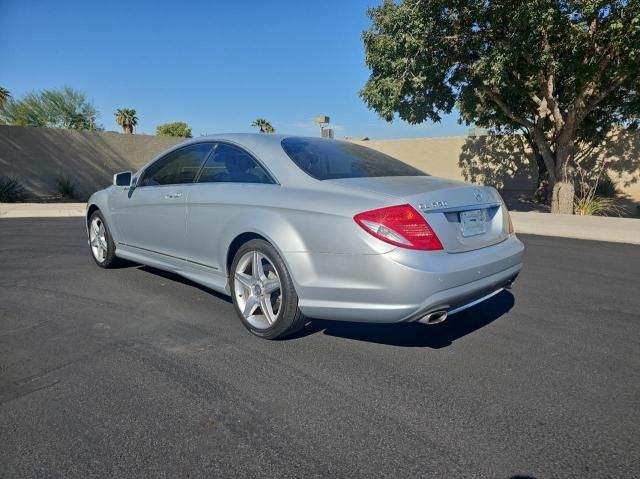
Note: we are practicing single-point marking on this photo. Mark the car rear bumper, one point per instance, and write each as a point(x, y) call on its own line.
point(402, 285)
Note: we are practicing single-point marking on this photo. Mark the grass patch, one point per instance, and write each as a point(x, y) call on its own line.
point(591, 204)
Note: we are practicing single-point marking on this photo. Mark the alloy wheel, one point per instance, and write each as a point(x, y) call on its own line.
point(258, 290)
point(98, 239)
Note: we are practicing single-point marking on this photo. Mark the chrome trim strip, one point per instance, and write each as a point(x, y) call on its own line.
point(477, 301)
point(479, 206)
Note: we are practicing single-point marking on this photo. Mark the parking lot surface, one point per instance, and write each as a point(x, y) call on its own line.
point(133, 372)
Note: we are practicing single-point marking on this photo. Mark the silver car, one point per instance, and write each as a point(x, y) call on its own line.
point(295, 228)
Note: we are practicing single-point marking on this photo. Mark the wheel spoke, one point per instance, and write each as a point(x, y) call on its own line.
point(267, 310)
point(258, 271)
point(95, 228)
point(94, 241)
point(271, 285)
point(245, 280)
point(250, 306)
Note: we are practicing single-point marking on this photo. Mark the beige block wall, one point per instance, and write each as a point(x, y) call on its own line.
point(38, 156)
point(505, 161)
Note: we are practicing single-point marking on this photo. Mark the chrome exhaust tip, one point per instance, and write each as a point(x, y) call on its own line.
point(434, 317)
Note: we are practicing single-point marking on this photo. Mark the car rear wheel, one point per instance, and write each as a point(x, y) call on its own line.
point(101, 244)
point(263, 293)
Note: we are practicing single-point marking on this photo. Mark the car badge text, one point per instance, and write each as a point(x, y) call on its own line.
point(433, 204)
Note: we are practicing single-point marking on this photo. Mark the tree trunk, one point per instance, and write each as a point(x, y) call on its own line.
point(541, 194)
point(563, 188)
point(562, 199)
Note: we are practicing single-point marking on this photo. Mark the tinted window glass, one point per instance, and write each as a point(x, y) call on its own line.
point(180, 166)
point(229, 164)
point(331, 159)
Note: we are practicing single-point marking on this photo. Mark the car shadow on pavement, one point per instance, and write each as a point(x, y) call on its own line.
point(417, 335)
point(181, 279)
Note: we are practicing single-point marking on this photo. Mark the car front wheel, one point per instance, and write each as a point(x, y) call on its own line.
point(101, 243)
point(263, 293)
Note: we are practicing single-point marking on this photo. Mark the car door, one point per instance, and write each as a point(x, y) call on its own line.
point(151, 216)
point(231, 181)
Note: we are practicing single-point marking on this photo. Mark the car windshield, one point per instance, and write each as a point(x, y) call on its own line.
point(325, 159)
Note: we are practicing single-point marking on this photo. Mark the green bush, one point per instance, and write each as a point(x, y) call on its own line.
point(11, 191)
point(66, 188)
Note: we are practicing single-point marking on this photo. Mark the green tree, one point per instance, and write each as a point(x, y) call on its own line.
point(4, 96)
point(177, 128)
point(264, 125)
point(127, 119)
point(64, 108)
point(562, 72)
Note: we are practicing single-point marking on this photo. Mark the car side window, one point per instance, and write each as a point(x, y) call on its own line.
point(230, 164)
point(178, 167)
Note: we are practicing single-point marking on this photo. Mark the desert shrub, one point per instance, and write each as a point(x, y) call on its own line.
point(590, 204)
point(11, 191)
point(66, 188)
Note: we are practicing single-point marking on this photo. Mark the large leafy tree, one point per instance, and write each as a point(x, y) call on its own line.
point(561, 71)
point(263, 125)
point(63, 108)
point(127, 119)
point(177, 128)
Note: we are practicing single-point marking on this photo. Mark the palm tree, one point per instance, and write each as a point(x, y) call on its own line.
point(264, 125)
point(127, 119)
point(4, 96)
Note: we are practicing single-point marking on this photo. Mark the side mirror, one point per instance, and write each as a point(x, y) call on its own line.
point(122, 179)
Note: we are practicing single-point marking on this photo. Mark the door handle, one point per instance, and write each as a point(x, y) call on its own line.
point(170, 196)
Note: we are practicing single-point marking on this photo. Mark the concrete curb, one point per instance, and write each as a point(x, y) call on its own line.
point(598, 228)
point(41, 210)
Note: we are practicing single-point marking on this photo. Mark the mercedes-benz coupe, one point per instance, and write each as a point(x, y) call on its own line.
point(295, 228)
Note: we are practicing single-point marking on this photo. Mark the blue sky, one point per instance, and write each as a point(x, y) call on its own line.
point(217, 65)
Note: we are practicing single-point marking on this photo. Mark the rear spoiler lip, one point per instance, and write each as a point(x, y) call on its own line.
point(447, 209)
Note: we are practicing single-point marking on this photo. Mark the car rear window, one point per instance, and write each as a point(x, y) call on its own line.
point(325, 159)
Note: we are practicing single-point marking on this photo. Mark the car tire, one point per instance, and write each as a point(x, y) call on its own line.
point(101, 244)
point(252, 291)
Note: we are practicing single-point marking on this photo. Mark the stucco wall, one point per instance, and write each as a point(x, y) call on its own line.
point(506, 161)
point(38, 156)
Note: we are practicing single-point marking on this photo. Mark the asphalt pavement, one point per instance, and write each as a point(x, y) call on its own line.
point(133, 372)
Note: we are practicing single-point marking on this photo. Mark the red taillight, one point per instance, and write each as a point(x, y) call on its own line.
point(401, 226)
point(506, 211)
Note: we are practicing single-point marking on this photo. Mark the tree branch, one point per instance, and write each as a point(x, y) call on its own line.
point(505, 108)
point(604, 93)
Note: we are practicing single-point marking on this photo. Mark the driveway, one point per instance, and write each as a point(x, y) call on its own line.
point(133, 372)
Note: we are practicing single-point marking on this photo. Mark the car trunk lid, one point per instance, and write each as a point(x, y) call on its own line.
point(464, 217)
